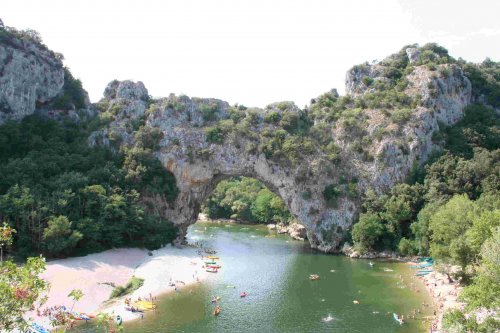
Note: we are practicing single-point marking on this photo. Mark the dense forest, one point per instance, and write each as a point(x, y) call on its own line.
point(64, 197)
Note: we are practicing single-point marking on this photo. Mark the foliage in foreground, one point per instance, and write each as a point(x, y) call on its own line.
point(20, 289)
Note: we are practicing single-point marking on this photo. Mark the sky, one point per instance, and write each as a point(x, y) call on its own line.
point(251, 52)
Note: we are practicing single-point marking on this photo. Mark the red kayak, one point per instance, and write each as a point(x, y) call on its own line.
point(243, 294)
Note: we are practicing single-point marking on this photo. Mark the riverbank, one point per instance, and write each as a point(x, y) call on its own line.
point(95, 275)
point(444, 295)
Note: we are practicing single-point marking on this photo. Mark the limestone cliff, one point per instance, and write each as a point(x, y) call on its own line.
point(30, 74)
point(317, 161)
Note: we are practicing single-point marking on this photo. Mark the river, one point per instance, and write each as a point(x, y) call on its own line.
point(274, 271)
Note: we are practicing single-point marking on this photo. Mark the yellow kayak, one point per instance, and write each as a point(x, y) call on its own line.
point(145, 305)
point(212, 257)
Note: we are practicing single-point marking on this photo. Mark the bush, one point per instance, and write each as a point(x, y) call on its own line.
point(401, 116)
point(406, 247)
point(367, 81)
point(272, 117)
point(134, 284)
point(331, 193)
point(73, 95)
point(208, 112)
point(214, 134)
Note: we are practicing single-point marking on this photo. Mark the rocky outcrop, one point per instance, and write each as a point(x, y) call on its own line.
point(206, 140)
point(30, 74)
point(295, 230)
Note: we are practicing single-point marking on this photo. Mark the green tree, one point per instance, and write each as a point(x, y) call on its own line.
point(21, 290)
point(367, 232)
point(485, 288)
point(448, 226)
point(58, 237)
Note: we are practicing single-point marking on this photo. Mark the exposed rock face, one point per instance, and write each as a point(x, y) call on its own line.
point(29, 74)
point(413, 55)
point(205, 141)
point(444, 95)
point(297, 231)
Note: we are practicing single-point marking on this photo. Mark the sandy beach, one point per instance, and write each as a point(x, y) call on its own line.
point(444, 295)
point(94, 274)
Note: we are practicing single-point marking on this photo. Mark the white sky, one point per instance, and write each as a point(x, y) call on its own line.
point(251, 52)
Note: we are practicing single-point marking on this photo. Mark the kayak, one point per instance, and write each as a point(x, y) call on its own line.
point(422, 273)
point(212, 257)
point(428, 259)
point(212, 270)
point(217, 311)
point(210, 263)
point(422, 265)
point(144, 305)
point(38, 328)
point(214, 266)
point(396, 318)
point(243, 294)
point(425, 271)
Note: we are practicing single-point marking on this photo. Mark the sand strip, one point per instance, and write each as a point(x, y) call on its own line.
point(444, 295)
point(94, 274)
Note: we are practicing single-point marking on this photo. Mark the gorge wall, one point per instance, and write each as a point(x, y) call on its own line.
point(319, 166)
point(29, 74)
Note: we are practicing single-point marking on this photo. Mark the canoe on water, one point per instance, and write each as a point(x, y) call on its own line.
point(38, 328)
point(217, 311)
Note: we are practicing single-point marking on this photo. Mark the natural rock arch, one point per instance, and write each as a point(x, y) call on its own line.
point(313, 164)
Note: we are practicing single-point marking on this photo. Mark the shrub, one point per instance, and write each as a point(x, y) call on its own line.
point(367, 81)
point(214, 134)
point(132, 285)
point(331, 193)
point(401, 116)
point(272, 117)
point(208, 112)
point(73, 95)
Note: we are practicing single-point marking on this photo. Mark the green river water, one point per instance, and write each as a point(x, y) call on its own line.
point(274, 272)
